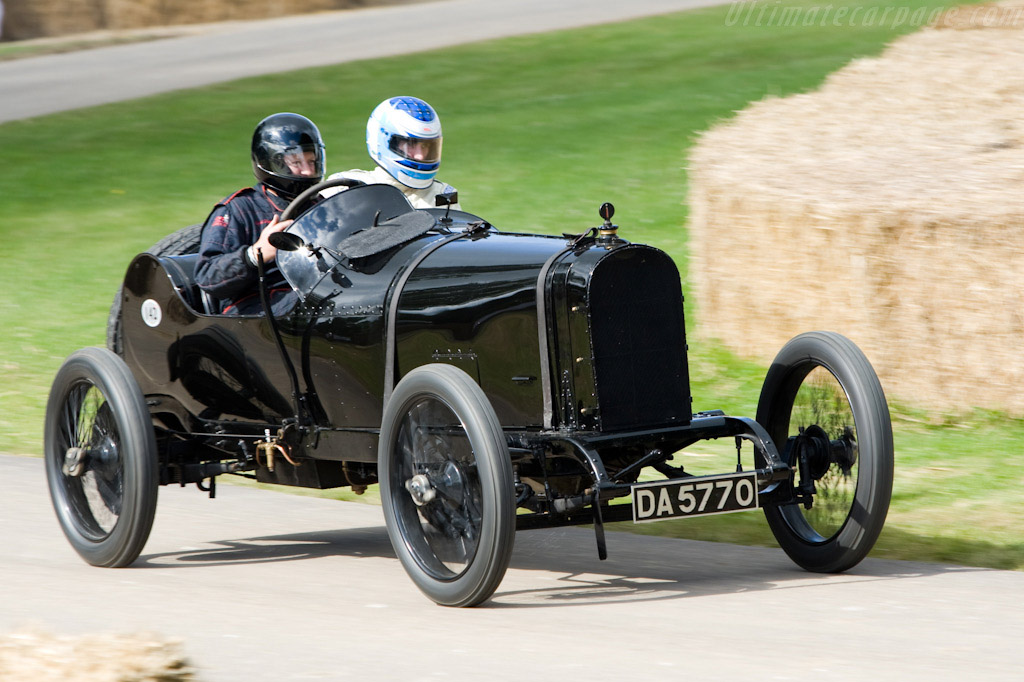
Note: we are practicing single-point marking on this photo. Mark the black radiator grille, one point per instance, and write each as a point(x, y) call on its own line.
point(638, 341)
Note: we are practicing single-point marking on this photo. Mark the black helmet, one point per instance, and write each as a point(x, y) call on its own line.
point(287, 154)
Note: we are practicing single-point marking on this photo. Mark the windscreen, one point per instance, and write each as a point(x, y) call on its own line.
point(329, 222)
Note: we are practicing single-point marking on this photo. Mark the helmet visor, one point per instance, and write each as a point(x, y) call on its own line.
point(297, 161)
point(417, 149)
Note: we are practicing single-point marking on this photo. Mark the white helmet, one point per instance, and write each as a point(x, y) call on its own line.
point(403, 136)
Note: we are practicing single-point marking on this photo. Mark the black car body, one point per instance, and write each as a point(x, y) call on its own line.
point(577, 344)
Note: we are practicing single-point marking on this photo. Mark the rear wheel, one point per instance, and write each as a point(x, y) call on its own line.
point(824, 408)
point(180, 243)
point(446, 485)
point(101, 458)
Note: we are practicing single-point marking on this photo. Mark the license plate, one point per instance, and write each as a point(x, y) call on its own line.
point(695, 496)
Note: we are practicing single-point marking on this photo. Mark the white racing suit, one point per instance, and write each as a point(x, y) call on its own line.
point(419, 198)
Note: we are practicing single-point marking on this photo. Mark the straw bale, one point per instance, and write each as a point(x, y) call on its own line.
point(127, 14)
point(38, 18)
point(888, 206)
point(32, 18)
point(34, 655)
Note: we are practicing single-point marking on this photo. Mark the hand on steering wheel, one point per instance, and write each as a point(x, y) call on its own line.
point(263, 245)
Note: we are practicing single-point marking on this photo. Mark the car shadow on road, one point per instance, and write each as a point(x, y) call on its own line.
point(554, 567)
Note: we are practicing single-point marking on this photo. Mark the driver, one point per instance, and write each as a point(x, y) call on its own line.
point(287, 158)
point(403, 136)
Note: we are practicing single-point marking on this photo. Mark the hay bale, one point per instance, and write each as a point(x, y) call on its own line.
point(888, 206)
point(131, 14)
point(37, 656)
point(39, 18)
point(32, 18)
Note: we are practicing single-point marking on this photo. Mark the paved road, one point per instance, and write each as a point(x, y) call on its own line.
point(268, 586)
point(222, 52)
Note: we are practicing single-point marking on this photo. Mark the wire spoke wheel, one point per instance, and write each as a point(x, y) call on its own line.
point(446, 486)
point(88, 430)
point(830, 452)
point(823, 406)
point(101, 458)
point(442, 508)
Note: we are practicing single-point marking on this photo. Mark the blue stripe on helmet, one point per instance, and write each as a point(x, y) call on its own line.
point(417, 174)
point(406, 163)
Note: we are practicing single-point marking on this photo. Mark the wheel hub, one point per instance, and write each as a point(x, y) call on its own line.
point(845, 451)
point(817, 448)
point(821, 452)
point(74, 462)
point(421, 489)
point(450, 483)
point(104, 458)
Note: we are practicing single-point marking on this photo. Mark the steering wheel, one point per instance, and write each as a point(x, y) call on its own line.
point(298, 204)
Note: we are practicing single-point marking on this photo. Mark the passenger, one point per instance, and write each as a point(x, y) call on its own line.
point(403, 136)
point(287, 158)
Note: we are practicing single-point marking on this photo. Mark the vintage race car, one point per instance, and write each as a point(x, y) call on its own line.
point(488, 380)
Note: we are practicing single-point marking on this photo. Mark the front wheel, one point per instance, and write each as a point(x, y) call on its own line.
point(823, 406)
point(101, 458)
point(446, 485)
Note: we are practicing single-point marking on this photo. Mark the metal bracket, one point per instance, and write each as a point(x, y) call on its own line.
point(211, 488)
point(595, 505)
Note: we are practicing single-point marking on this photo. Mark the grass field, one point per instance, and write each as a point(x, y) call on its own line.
point(539, 131)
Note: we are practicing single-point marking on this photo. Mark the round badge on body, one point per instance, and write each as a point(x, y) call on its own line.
point(151, 313)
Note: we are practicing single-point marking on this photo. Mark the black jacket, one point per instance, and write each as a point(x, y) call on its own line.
point(223, 270)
